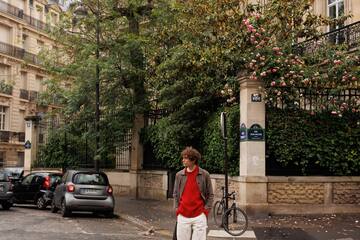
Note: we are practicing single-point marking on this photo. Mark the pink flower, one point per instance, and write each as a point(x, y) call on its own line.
point(273, 83)
point(283, 84)
point(263, 74)
point(274, 70)
point(337, 62)
point(276, 49)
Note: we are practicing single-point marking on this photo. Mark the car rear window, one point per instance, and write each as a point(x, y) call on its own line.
point(53, 178)
point(90, 179)
point(3, 177)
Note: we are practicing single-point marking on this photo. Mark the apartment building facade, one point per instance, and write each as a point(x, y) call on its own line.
point(24, 26)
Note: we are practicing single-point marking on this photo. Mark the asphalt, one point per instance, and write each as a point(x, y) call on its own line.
point(158, 218)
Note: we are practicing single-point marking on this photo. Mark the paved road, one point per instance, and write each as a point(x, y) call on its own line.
point(28, 223)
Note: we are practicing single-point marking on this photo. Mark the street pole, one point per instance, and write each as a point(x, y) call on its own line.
point(224, 135)
point(97, 110)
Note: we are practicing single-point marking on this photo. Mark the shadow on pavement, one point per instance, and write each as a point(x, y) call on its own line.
point(281, 233)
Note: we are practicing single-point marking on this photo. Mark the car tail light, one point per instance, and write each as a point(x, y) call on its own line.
point(46, 183)
point(109, 190)
point(70, 187)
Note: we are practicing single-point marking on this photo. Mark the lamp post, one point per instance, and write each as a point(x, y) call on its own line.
point(82, 11)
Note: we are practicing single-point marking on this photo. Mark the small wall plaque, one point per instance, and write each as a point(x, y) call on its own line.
point(255, 133)
point(256, 97)
point(27, 144)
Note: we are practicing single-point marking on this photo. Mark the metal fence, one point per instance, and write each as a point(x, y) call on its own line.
point(314, 99)
point(77, 144)
point(123, 152)
point(348, 35)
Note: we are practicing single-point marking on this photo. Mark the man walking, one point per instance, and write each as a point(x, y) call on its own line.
point(193, 197)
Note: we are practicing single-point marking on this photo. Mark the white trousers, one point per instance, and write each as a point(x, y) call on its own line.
point(191, 228)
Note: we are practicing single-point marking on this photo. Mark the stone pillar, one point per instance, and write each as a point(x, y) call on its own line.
point(253, 186)
point(136, 155)
point(30, 142)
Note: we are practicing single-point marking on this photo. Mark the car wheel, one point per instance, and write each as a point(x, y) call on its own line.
point(65, 212)
point(54, 209)
point(41, 203)
point(6, 205)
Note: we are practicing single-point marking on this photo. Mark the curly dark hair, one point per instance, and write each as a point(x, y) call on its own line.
point(192, 154)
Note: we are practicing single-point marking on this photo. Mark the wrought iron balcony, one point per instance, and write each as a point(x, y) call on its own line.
point(348, 35)
point(17, 52)
point(19, 13)
point(24, 94)
point(33, 96)
point(4, 136)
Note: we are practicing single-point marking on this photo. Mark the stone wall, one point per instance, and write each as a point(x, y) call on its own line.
point(152, 185)
point(285, 195)
point(301, 195)
point(149, 184)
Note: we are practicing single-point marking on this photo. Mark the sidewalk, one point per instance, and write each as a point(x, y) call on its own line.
point(158, 216)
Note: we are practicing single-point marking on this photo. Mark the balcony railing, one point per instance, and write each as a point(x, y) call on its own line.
point(4, 136)
point(19, 13)
point(17, 52)
point(8, 136)
point(348, 35)
point(24, 94)
point(33, 96)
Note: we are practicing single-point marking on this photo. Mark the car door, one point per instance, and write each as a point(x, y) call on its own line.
point(35, 186)
point(21, 188)
point(60, 190)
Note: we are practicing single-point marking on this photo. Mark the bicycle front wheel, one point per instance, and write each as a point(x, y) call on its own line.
point(218, 212)
point(235, 221)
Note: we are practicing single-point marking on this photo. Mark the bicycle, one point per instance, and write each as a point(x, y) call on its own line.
point(234, 220)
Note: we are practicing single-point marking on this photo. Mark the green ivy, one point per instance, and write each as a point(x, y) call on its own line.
point(167, 139)
point(213, 143)
point(6, 88)
point(324, 141)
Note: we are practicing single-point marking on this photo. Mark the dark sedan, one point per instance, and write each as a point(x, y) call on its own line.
point(36, 188)
point(6, 194)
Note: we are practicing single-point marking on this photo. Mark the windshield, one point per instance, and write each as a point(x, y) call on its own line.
point(3, 177)
point(90, 179)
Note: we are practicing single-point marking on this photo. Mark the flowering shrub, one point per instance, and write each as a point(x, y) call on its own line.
point(283, 68)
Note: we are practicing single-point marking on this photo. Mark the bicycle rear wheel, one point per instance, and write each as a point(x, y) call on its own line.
point(218, 212)
point(235, 221)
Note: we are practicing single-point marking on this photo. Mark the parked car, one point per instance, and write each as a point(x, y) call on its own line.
point(88, 191)
point(6, 195)
point(14, 173)
point(36, 188)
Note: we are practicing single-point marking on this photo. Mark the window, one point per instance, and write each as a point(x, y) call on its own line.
point(39, 12)
point(28, 179)
point(5, 35)
point(23, 80)
point(40, 45)
point(4, 73)
point(3, 118)
point(21, 157)
point(2, 159)
point(22, 120)
point(336, 10)
point(25, 41)
point(39, 83)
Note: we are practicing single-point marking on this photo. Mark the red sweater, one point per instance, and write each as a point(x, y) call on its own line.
point(191, 204)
